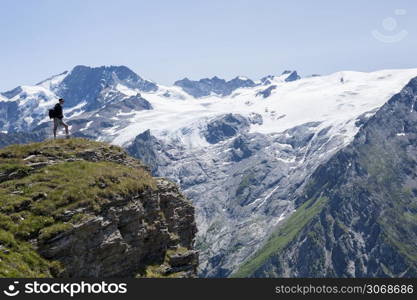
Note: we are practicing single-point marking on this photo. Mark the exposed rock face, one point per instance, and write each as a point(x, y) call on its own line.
point(267, 92)
point(286, 76)
point(91, 124)
point(225, 127)
point(358, 212)
point(86, 84)
point(111, 220)
point(235, 170)
point(128, 236)
point(215, 85)
point(292, 77)
point(148, 148)
point(9, 113)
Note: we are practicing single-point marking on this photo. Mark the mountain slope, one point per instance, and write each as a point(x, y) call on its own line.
point(243, 159)
point(77, 208)
point(246, 183)
point(360, 217)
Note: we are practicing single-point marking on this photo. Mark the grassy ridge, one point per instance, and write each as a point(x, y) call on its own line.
point(285, 234)
point(34, 200)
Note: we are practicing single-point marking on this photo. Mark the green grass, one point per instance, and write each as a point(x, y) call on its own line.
point(284, 235)
point(71, 185)
point(53, 230)
point(159, 270)
point(30, 225)
point(244, 183)
point(384, 165)
point(33, 204)
point(54, 148)
point(13, 166)
point(19, 259)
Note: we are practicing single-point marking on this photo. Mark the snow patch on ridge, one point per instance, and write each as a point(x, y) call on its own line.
point(52, 82)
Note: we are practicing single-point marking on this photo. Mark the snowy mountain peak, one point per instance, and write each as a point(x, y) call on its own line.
point(84, 88)
point(285, 105)
point(288, 100)
point(267, 79)
point(243, 80)
point(292, 77)
point(53, 82)
point(286, 76)
point(213, 86)
point(12, 93)
point(86, 84)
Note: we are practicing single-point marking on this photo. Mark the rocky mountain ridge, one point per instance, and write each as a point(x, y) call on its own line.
point(77, 208)
point(357, 215)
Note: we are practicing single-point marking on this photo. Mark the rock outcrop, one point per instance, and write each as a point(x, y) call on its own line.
point(76, 208)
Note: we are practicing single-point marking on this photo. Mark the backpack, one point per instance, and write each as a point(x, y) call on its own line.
point(51, 113)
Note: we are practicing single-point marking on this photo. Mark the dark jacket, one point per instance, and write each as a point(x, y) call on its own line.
point(58, 111)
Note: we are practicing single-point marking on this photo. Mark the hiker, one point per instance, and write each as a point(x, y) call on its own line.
point(342, 80)
point(57, 115)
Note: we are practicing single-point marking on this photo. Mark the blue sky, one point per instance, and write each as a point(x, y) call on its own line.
point(168, 40)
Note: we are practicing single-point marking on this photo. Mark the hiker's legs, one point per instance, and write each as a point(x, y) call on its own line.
point(66, 127)
point(59, 122)
point(55, 126)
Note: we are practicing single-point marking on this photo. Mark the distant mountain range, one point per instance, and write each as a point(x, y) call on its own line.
point(260, 159)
